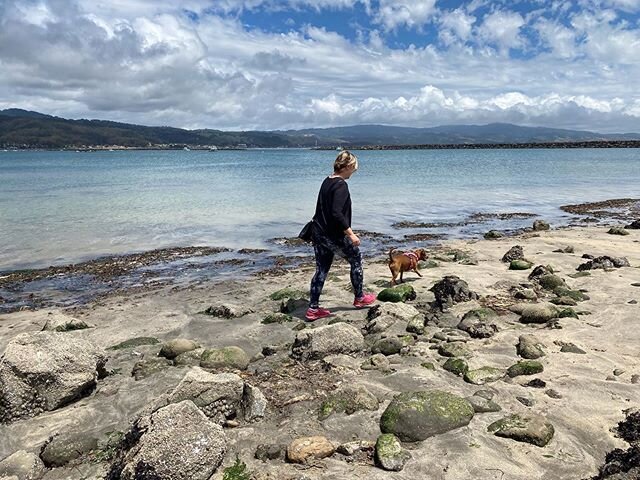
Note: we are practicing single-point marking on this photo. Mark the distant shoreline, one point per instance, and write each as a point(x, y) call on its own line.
point(435, 146)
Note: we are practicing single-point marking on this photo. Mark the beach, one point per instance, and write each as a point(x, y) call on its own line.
point(590, 364)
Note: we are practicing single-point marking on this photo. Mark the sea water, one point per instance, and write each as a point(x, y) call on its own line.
point(64, 207)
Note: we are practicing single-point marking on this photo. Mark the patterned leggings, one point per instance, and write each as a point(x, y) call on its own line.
point(325, 249)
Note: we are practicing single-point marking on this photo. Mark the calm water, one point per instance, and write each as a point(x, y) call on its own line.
point(62, 207)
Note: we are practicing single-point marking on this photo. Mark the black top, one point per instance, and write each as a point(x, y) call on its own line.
point(333, 209)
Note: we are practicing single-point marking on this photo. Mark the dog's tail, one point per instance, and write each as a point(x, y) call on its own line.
point(390, 254)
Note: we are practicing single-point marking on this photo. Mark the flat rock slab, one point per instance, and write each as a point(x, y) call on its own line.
point(483, 375)
point(531, 429)
point(317, 343)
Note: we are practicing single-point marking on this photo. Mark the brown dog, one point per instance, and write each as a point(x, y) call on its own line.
point(404, 262)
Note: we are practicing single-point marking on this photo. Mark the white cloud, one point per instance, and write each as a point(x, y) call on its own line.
point(412, 13)
point(455, 26)
point(502, 29)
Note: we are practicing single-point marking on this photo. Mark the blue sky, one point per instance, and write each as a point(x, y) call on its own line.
point(276, 64)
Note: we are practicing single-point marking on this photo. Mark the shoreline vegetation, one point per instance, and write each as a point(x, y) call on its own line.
point(511, 357)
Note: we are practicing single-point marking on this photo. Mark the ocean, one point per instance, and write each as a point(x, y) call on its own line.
point(64, 207)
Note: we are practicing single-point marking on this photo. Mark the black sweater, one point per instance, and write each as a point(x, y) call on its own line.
point(333, 209)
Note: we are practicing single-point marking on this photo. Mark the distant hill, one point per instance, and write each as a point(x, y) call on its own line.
point(26, 129)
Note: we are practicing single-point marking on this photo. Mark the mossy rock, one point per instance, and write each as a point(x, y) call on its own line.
point(576, 295)
point(287, 293)
point(225, 357)
point(428, 365)
point(237, 471)
point(618, 231)
point(551, 281)
point(454, 349)
point(135, 342)
point(568, 313)
point(525, 367)
point(388, 346)
point(415, 416)
point(520, 265)
point(524, 428)
point(277, 318)
point(429, 264)
point(564, 301)
point(348, 400)
point(481, 314)
point(483, 375)
point(399, 293)
point(389, 454)
point(457, 366)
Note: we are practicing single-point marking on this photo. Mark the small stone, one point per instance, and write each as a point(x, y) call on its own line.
point(515, 253)
point(635, 379)
point(172, 348)
point(304, 449)
point(520, 265)
point(551, 281)
point(457, 366)
point(399, 293)
point(526, 401)
point(484, 375)
point(525, 367)
point(524, 428)
point(536, 383)
point(454, 349)
point(277, 318)
point(389, 454)
point(63, 448)
point(618, 371)
point(529, 347)
point(376, 362)
point(540, 225)
point(493, 235)
point(271, 451)
point(553, 393)
point(482, 405)
point(225, 357)
point(618, 231)
point(351, 448)
point(569, 348)
point(387, 346)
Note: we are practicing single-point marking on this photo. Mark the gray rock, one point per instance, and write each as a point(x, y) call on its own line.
point(415, 416)
point(225, 357)
point(525, 367)
point(389, 454)
point(172, 348)
point(190, 358)
point(227, 310)
point(176, 442)
point(604, 262)
point(526, 401)
point(524, 428)
point(540, 225)
point(59, 322)
point(376, 362)
point(63, 448)
point(454, 349)
point(493, 235)
point(529, 347)
point(351, 448)
point(348, 399)
point(451, 290)
point(515, 253)
point(567, 347)
point(483, 375)
point(290, 305)
point(416, 324)
point(149, 366)
point(525, 294)
point(618, 231)
point(400, 311)
point(476, 323)
point(316, 343)
point(482, 405)
point(387, 346)
point(270, 451)
point(381, 324)
point(539, 313)
point(254, 403)
point(22, 465)
point(44, 371)
point(457, 366)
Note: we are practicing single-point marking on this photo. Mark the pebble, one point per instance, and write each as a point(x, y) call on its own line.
point(553, 393)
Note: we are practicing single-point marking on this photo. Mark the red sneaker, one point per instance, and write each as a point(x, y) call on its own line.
point(316, 313)
point(364, 301)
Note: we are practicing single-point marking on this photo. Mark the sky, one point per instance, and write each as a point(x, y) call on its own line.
point(289, 64)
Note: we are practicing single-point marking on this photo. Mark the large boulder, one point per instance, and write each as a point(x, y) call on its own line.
point(59, 322)
point(415, 416)
point(450, 290)
point(221, 396)
point(65, 447)
point(225, 357)
point(22, 465)
point(43, 371)
point(317, 343)
point(176, 442)
point(539, 313)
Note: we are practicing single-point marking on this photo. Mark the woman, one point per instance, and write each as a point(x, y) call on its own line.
point(332, 234)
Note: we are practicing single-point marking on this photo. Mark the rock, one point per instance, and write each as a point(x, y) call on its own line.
point(290, 305)
point(635, 379)
point(617, 231)
point(147, 367)
point(277, 318)
point(416, 324)
point(567, 347)
point(525, 294)
point(221, 396)
point(575, 295)
point(536, 383)
point(400, 311)
point(454, 349)
point(539, 271)
point(387, 346)
point(457, 366)
point(287, 292)
point(551, 281)
point(567, 249)
point(566, 301)
point(43, 371)
point(22, 465)
point(389, 454)
point(176, 442)
point(399, 293)
point(635, 225)
point(190, 359)
point(304, 449)
point(483, 375)
point(316, 343)
point(483, 405)
point(451, 290)
point(567, 312)
point(225, 357)
point(172, 348)
point(493, 235)
point(540, 225)
point(539, 313)
point(515, 253)
point(525, 367)
point(270, 451)
point(59, 322)
point(529, 347)
point(376, 362)
point(380, 324)
point(475, 323)
point(520, 265)
point(63, 448)
point(351, 448)
point(227, 310)
point(605, 262)
point(618, 371)
point(524, 428)
point(348, 399)
point(135, 342)
point(526, 401)
point(415, 416)
point(553, 393)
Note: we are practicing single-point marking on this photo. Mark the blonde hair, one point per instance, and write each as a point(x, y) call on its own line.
point(343, 160)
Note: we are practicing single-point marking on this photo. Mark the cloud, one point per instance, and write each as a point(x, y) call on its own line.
point(502, 30)
point(411, 13)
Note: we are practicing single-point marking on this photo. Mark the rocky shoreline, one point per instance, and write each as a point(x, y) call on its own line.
point(512, 357)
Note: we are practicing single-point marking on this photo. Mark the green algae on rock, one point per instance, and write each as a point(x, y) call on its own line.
point(525, 367)
point(399, 293)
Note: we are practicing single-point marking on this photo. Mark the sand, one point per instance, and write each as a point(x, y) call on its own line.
point(593, 398)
